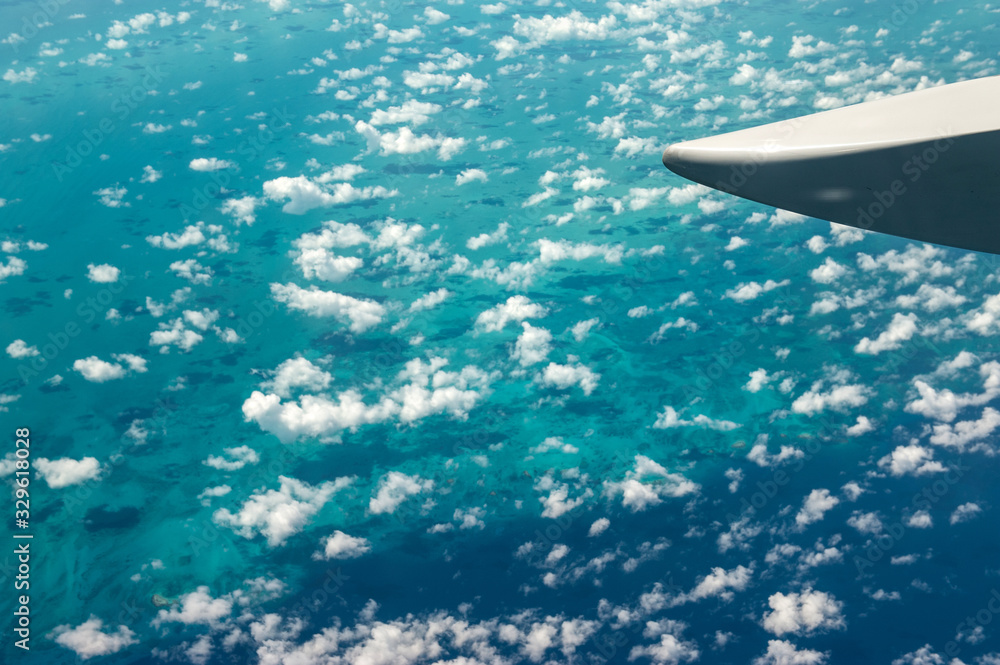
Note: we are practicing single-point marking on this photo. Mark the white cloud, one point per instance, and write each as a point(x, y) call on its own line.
point(150, 175)
point(64, 471)
point(803, 613)
point(89, 639)
point(12, 268)
point(297, 373)
point(829, 272)
point(102, 274)
point(405, 142)
point(581, 329)
point(484, 239)
point(319, 263)
point(241, 210)
point(98, 371)
point(423, 389)
point(751, 290)
point(782, 652)
point(471, 175)
point(965, 513)
point(862, 426)
point(564, 376)
point(964, 432)
point(647, 484)
point(411, 112)
point(761, 457)
point(901, 329)
point(430, 300)
point(342, 546)
point(207, 164)
point(669, 419)
point(362, 314)
point(599, 526)
point(174, 334)
point(944, 404)
point(932, 299)
point(394, 488)
point(20, 349)
point(758, 379)
point(838, 399)
point(26, 75)
point(814, 507)
point(190, 236)
point(517, 308)
point(196, 607)
point(239, 457)
point(545, 29)
point(304, 194)
point(913, 459)
point(280, 514)
point(533, 345)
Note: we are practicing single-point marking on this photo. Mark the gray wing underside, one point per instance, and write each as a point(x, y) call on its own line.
point(923, 165)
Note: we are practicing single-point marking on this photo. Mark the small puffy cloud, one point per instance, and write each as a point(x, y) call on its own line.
point(404, 141)
point(26, 75)
point(319, 263)
point(150, 175)
point(64, 471)
point(175, 334)
point(89, 638)
point(242, 209)
point(303, 194)
point(533, 345)
point(20, 349)
point(517, 308)
point(782, 652)
point(829, 272)
point(814, 507)
point(862, 426)
point(234, 459)
point(965, 513)
point(394, 488)
point(471, 175)
point(838, 398)
point(581, 329)
point(96, 370)
point(669, 419)
point(430, 300)
point(647, 484)
point(961, 433)
point(599, 526)
point(901, 329)
point(342, 546)
point(484, 239)
point(920, 520)
point(564, 376)
point(297, 373)
point(102, 274)
point(746, 291)
point(360, 314)
point(207, 164)
point(803, 613)
point(435, 16)
point(758, 379)
point(913, 459)
point(196, 608)
point(761, 457)
point(279, 514)
point(12, 268)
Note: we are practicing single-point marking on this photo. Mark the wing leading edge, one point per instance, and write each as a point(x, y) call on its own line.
point(923, 165)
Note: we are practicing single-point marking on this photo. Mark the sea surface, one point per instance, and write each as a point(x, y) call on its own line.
point(377, 333)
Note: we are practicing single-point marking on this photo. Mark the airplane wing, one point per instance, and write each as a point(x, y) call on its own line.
point(923, 165)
